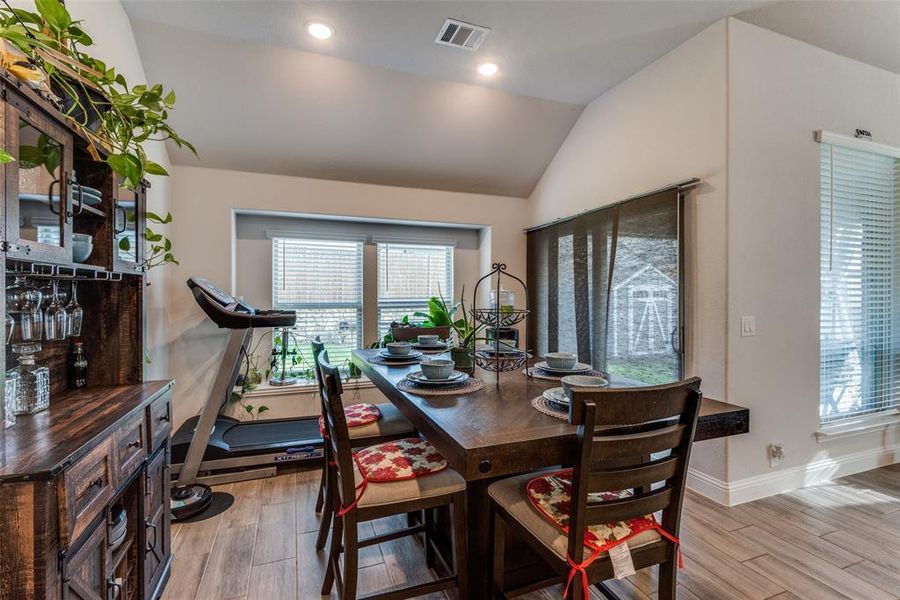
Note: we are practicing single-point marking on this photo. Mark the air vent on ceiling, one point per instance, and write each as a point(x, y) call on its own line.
point(461, 34)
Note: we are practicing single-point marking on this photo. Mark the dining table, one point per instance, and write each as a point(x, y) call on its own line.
point(496, 432)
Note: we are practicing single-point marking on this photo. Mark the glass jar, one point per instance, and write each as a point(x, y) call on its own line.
point(33, 388)
point(9, 400)
point(505, 299)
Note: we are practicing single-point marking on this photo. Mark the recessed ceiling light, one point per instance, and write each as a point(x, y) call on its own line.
point(487, 69)
point(320, 31)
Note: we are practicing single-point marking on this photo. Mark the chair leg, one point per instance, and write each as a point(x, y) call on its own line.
point(334, 554)
point(320, 498)
point(351, 557)
point(327, 507)
point(498, 530)
point(460, 545)
point(668, 579)
point(429, 538)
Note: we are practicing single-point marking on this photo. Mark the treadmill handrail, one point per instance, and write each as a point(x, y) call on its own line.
point(227, 312)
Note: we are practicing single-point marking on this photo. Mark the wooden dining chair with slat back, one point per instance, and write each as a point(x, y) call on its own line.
point(631, 458)
point(392, 478)
point(387, 424)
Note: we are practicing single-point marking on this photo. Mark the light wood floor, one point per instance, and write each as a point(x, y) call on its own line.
point(839, 540)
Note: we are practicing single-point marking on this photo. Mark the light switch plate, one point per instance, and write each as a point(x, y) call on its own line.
point(748, 326)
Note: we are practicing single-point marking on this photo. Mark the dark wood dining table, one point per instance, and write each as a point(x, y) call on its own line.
point(496, 432)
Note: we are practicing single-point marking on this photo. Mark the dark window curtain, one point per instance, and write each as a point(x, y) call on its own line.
point(608, 285)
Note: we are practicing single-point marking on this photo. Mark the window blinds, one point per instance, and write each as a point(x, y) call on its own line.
point(859, 318)
point(408, 275)
point(323, 281)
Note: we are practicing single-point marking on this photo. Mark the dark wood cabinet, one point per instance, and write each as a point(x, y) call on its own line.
point(157, 522)
point(85, 570)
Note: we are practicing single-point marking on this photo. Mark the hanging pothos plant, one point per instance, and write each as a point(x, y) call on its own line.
point(115, 118)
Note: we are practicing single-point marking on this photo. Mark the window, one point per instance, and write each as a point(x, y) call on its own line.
point(607, 285)
point(408, 275)
point(323, 282)
point(859, 304)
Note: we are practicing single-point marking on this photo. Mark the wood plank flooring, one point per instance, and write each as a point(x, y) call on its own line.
point(836, 540)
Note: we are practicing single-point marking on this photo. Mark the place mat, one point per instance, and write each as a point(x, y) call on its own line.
point(471, 385)
point(377, 360)
point(541, 374)
point(541, 405)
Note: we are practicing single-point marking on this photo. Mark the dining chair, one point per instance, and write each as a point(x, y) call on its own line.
point(630, 461)
point(392, 478)
point(389, 425)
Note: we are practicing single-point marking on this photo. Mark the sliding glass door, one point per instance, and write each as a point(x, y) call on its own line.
point(608, 285)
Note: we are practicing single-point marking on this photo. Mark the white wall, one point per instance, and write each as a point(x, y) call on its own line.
point(665, 124)
point(203, 206)
point(108, 25)
point(780, 91)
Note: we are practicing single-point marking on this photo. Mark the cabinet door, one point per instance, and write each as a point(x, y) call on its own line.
point(157, 521)
point(38, 185)
point(84, 576)
point(129, 228)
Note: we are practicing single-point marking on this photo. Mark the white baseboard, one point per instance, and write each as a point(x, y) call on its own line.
point(732, 493)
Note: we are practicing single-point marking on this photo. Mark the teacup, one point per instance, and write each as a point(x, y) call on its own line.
point(399, 348)
point(437, 368)
point(561, 360)
point(428, 340)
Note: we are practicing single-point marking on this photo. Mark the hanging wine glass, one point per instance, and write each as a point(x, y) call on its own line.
point(10, 327)
point(76, 314)
point(55, 319)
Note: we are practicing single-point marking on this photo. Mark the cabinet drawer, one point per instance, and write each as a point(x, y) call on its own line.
point(131, 446)
point(84, 491)
point(159, 420)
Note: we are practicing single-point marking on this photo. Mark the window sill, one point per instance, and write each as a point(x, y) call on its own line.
point(303, 387)
point(859, 426)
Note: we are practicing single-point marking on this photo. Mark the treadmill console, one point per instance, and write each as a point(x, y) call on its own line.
point(228, 312)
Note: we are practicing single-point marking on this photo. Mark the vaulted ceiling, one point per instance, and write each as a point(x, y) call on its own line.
point(380, 102)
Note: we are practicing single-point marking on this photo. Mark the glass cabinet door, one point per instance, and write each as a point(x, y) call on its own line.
point(39, 213)
point(128, 241)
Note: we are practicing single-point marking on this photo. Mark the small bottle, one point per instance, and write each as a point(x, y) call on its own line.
point(78, 367)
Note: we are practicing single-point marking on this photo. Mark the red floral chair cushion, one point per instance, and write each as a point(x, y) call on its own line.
point(551, 495)
point(399, 460)
point(357, 415)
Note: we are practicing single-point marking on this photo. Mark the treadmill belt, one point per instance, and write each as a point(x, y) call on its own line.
point(272, 434)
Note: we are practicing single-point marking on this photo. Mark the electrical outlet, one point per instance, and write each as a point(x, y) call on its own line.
point(776, 455)
point(748, 326)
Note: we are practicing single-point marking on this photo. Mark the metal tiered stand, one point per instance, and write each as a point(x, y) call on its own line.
point(493, 317)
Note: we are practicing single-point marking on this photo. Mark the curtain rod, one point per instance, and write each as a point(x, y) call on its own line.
point(682, 185)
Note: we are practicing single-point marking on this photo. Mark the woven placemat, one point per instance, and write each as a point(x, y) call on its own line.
point(377, 360)
point(470, 385)
point(541, 374)
point(541, 405)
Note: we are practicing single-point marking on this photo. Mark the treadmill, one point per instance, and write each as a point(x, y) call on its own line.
point(211, 448)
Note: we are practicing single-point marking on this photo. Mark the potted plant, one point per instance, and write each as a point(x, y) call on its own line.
point(464, 329)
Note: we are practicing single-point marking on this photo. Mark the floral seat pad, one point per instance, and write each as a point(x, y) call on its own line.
point(357, 415)
point(551, 495)
point(399, 460)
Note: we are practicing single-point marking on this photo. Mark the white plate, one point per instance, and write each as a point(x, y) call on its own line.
point(419, 379)
point(434, 347)
point(556, 395)
point(578, 368)
point(387, 355)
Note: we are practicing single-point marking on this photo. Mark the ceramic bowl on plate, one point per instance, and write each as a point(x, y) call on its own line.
point(82, 246)
point(582, 383)
point(437, 368)
point(455, 378)
point(428, 340)
point(556, 398)
point(399, 348)
point(561, 360)
point(577, 369)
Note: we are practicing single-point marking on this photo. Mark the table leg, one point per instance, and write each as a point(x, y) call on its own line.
point(480, 544)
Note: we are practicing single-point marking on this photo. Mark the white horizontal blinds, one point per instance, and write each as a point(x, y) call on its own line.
point(408, 275)
point(323, 281)
point(859, 311)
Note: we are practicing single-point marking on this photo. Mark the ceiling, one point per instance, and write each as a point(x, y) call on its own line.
point(381, 103)
point(868, 31)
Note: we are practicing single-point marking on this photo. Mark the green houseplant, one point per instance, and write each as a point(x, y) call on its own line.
point(464, 329)
point(117, 119)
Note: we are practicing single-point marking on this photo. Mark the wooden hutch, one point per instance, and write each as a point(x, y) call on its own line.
point(99, 447)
